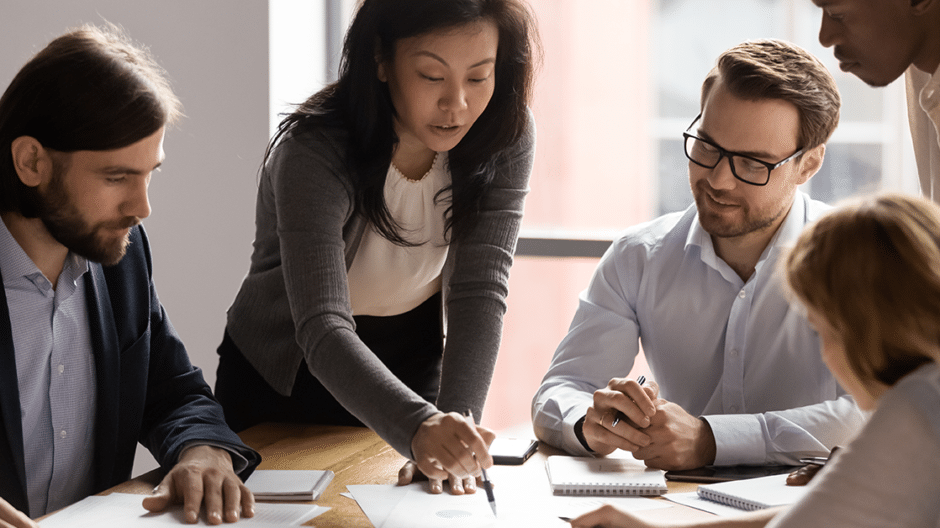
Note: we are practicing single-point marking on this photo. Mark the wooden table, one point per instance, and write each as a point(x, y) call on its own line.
point(358, 456)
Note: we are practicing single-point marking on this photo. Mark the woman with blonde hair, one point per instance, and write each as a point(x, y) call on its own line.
point(868, 274)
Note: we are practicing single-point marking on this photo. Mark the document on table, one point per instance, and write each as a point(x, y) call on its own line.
point(125, 510)
point(518, 503)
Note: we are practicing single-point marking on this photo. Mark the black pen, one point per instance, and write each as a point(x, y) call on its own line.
point(641, 380)
point(487, 485)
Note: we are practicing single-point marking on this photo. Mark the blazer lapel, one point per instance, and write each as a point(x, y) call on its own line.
point(104, 341)
point(11, 427)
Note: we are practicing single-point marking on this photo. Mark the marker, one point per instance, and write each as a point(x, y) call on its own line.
point(641, 380)
point(487, 485)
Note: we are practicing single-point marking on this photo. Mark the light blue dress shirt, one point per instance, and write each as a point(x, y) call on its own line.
point(733, 352)
point(55, 371)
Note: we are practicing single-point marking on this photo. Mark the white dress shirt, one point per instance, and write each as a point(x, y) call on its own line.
point(731, 351)
point(55, 371)
point(923, 112)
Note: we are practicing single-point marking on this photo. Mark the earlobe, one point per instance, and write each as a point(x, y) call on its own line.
point(29, 159)
point(812, 162)
point(380, 71)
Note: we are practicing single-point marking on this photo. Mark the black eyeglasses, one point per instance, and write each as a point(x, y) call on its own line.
point(750, 170)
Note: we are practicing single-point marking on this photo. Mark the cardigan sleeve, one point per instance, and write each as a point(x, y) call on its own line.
point(313, 202)
point(478, 284)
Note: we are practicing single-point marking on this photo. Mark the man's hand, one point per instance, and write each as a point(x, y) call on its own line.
point(444, 448)
point(631, 399)
point(13, 518)
point(204, 475)
point(678, 440)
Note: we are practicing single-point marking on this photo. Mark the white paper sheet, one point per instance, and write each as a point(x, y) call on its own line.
point(125, 510)
point(518, 504)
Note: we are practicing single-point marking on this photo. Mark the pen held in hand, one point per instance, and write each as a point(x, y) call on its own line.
point(487, 485)
point(641, 380)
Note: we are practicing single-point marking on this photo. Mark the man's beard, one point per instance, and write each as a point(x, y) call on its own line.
point(65, 223)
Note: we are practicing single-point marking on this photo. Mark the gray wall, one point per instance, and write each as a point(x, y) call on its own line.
point(201, 228)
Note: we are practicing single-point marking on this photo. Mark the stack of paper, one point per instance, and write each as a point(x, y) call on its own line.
point(288, 485)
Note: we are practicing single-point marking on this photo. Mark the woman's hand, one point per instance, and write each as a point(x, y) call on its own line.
point(444, 447)
point(608, 516)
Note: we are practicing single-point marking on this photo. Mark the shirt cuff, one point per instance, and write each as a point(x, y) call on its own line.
point(239, 462)
point(739, 439)
point(572, 443)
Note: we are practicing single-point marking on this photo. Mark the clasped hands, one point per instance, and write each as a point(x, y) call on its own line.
point(655, 430)
point(448, 446)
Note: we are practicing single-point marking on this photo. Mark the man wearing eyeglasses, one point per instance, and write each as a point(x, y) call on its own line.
point(740, 378)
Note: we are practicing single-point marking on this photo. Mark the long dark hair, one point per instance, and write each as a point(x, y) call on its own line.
point(89, 89)
point(360, 103)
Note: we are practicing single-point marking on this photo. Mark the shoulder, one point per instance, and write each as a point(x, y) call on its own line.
point(312, 153)
point(516, 159)
point(916, 395)
point(668, 230)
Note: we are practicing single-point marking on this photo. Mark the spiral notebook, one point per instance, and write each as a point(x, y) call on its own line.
point(753, 494)
point(603, 476)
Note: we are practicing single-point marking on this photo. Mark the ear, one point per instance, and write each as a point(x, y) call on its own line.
point(811, 163)
point(919, 7)
point(31, 160)
point(380, 70)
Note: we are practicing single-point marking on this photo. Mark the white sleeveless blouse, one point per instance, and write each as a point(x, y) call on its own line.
point(386, 279)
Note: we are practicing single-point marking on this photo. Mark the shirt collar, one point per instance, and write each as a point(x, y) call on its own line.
point(929, 96)
point(784, 238)
point(16, 264)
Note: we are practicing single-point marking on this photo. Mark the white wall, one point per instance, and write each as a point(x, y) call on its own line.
point(202, 225)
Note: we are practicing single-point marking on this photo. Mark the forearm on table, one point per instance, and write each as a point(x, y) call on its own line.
point(365, 387)
point(783, 437)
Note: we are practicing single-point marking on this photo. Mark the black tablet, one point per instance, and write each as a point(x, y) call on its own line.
point(726, 473)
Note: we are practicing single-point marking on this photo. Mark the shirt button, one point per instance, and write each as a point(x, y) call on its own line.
point(734, 352)
point(734, 409)
point(61, 369)
point(63, 434)
point(741, 294)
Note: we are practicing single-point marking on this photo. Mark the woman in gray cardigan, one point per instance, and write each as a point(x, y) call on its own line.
point(388, 212)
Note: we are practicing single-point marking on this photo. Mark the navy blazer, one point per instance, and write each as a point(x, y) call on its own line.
point(147, 389)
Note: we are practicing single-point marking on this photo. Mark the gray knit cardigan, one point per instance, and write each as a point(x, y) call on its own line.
point(294, 302)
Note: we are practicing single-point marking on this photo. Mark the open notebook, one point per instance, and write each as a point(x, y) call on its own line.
point(603, 476)
point(753, 494)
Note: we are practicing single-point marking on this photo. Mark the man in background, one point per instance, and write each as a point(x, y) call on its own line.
point(877, 41)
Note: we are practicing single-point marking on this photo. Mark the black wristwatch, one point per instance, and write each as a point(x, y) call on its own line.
point(579, 433)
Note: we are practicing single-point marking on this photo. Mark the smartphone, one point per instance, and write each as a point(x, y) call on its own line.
point(726, 473)
point(512, 451)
